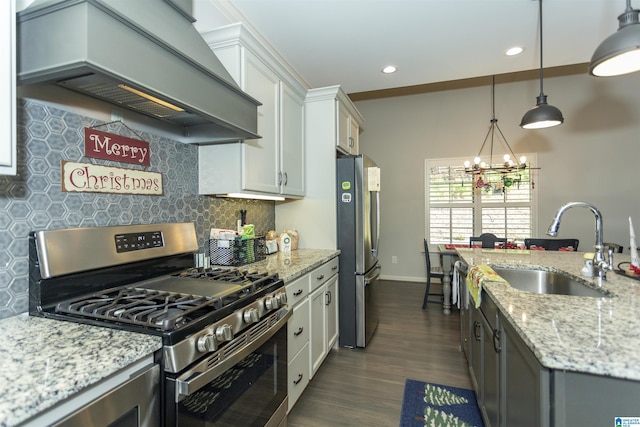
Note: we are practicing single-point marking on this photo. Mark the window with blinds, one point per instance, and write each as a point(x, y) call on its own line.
point(458, 207)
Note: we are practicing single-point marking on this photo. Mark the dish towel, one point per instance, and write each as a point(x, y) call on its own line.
point(455, 287)
point(477, 276)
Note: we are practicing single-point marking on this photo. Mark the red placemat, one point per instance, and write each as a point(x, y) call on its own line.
point(451, 246)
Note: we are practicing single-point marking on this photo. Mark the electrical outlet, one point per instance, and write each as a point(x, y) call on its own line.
point(394, 259)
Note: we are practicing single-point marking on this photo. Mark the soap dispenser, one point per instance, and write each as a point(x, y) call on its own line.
point(587, 270)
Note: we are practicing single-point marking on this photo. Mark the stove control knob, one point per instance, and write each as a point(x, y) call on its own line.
point(206, 343)
point(271, 303)
point(251, 315)
point(224, 333)
point(282, 298)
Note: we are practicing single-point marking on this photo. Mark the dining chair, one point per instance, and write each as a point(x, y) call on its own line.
point(488, 240)
point(552, 244)
point(433, 272)
point(616, 247)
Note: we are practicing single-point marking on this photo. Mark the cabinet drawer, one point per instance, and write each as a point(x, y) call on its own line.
point(297, 290)
point(321, 274)
point(298, 329)
point(298, 375)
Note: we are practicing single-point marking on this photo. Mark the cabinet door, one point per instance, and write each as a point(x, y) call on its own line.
point(525, 390)
point(8, 82)
point(298, 375)
point(490, 386)
point(331, 301)
point(261, 156)
point(298, 329)
point(465, 321)
point(354, 136)
point(318, 335)
point(343, 128)
point(292, 142)
point(477, 353)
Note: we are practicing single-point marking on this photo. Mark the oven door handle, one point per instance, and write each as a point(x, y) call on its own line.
point(198, 376)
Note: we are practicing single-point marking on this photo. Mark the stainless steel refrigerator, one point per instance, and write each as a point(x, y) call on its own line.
point(358, 192)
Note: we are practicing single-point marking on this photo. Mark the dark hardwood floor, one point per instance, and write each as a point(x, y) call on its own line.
point(365, 387)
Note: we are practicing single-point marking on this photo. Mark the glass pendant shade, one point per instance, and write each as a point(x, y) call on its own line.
point(620, 52)
point(542, 115)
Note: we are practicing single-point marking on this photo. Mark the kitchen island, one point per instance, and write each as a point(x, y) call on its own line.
point(548, 359)
point(594, 335)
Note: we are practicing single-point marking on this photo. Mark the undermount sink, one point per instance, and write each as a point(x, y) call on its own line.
point(547, 282)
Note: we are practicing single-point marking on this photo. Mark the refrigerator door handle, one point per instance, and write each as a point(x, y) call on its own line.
point(374, 277)
point(374, 251)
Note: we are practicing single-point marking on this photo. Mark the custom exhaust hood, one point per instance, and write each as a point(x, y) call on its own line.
point(142, 55)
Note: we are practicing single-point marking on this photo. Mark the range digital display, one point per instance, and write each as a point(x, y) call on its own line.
point(138, 241)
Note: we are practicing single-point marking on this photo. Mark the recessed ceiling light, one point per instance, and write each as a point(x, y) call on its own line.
point(389, 69)
point(516, 50)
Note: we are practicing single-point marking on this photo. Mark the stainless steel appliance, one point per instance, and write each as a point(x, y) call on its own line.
point(224, 356)
point(358, 181)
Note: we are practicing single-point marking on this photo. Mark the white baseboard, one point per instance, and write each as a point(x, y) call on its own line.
point(403, 278)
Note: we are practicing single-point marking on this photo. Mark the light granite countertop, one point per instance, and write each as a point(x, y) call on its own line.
point(583, 334)
point(46, 361)
point(294, 264)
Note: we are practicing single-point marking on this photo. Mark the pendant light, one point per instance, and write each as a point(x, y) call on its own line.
point(620, 52)
point(542, 115)
point(511, 164)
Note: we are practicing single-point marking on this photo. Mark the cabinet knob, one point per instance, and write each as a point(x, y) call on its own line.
point(298, 332)
point(297, 293)
point(297, 380)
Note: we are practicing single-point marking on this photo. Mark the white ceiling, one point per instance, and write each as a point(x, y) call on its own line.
point(347, 42)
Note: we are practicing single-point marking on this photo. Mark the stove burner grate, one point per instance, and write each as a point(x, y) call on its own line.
point(157, 309)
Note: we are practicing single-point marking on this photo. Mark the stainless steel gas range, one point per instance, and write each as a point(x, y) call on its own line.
point(224, 333)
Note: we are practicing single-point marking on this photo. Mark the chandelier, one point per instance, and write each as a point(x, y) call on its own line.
point(510, 163)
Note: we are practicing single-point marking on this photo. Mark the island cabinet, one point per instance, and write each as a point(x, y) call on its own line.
point(484, 360)
point(525, 391)
point(274, 164)
point(514, 389)
point(313, 326)
point(8, 143)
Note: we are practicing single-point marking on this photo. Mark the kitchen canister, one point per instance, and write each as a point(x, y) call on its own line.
point(284, 242)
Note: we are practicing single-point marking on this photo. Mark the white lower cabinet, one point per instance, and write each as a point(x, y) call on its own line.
point(298, 351)
point(324, 313)
point(313, 326)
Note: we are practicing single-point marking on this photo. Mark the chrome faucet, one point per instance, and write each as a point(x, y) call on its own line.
point(600, 261)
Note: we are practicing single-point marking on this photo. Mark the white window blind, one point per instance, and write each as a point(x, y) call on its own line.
point(456, 208)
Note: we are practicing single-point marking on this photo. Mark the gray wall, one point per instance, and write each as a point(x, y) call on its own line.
point(592, 157)
point(33, 199)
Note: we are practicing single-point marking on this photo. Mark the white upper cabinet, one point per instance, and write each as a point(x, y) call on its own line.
point(348, 128)
point(274, 164)
point(8, 82)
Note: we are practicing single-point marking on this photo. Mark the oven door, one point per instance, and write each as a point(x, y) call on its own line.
point(247, 387)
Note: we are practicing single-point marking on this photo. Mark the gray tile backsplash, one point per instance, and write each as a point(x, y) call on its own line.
point(33, 200)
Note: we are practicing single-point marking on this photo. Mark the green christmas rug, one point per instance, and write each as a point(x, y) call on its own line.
point(436, 405)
